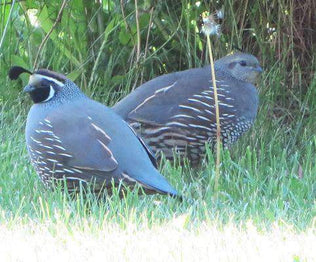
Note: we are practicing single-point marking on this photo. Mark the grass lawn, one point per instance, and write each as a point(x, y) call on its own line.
point(265, 210)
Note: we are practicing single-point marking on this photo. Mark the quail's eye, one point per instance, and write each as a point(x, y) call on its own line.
point(243, 63)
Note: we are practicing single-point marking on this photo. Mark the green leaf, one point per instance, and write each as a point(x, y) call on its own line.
point(124, 37)
point(144, 20)
point(109, 29)
point(46, 25)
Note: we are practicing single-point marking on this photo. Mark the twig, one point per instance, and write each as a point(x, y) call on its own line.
point(6, 25)
point(96, 63)
point(147, 40)
point(49, 33)
point(138, 42)
point(243, 19)
point(138, 32)
point(123, 15)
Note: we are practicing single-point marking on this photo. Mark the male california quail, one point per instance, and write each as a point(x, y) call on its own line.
point(176, 111)
point(72, 137)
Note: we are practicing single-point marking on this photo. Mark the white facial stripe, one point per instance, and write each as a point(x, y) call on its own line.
point(51, 94)
point(36, 78)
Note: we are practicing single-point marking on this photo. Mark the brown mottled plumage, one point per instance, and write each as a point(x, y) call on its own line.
point(176, 111)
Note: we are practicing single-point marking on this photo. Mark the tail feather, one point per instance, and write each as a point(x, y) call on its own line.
point(155, 181)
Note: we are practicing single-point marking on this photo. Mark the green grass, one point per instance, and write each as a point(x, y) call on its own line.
point(267, 193)
point(266, 206)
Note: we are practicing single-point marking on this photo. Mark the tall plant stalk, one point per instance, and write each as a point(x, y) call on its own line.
point(218, 125)
point(210, 27)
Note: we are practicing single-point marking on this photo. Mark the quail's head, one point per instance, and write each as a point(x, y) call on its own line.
point(241, 66)
point(43, 84)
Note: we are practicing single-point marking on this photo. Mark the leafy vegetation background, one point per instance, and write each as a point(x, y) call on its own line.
point(109, 48)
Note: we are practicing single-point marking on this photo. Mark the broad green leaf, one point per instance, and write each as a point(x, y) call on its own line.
point(144, 20)
point(46, 25)
point(110, 27)
point(124, 37)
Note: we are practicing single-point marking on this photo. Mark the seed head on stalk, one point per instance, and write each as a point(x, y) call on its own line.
point(211, 27)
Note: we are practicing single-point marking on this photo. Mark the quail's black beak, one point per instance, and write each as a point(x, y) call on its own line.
point(28, 89)
point(259, 69)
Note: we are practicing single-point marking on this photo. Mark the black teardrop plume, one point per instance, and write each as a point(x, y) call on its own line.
point(15, 72)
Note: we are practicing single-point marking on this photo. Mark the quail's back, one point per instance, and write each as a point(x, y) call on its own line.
point(72, 137)
point(176, 112)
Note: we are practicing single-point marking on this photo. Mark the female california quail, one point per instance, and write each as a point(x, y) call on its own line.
point(72, 137)
point(176, 111)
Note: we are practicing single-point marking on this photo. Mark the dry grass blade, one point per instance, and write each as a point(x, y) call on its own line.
point(6, 25)
point(211, 27)
point(218, 125)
